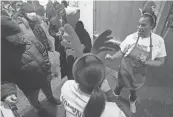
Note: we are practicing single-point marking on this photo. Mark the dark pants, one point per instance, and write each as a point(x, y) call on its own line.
point(32, 96)
point(63, 62)
point(119, 88)
point(66, 67)
point(70, 61)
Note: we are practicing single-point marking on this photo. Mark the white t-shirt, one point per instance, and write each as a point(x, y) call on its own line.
point(158, 49)
point(74, 102)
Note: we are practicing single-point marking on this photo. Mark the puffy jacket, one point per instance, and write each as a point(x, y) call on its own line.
point(35, 57)
point(35, 65)
point(31, 58)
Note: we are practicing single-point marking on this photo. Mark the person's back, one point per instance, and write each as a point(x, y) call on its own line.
point(74, 102)
point(84, 96)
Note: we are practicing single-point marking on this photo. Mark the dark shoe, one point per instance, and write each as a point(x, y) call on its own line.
point(54, 101)
point(111, 97)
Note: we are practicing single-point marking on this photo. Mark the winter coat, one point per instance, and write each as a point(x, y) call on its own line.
point(50, 11)
point(53, 31)
point(35, 65)
point(36, 25)
point(40, 10)
point(40, 34)
point(26, 64)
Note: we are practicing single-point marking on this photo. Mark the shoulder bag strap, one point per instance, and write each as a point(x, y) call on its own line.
point(151, 46)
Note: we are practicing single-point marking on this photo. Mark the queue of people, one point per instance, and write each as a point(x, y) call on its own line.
point(27, 38)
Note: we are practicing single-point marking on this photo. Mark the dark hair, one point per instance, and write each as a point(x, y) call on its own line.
point(28, 1)
point(65, 3)
point(55, 4)
point(89, 73)
point(80, 25)
point(152, 18)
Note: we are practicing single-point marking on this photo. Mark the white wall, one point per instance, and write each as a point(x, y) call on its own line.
point(86, 13)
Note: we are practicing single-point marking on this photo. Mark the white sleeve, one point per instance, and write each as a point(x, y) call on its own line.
point(61, 94)
point(112, 110)
point(125, 44)
point(162, 50)
point(121, 114)
point(105, 86)
point(64, 90)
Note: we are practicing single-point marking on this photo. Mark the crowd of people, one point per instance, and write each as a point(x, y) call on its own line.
point(29, 32)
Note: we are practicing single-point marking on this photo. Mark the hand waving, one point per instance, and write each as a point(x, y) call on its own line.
point(99, 42)
point(72, 42)
point(104, 43)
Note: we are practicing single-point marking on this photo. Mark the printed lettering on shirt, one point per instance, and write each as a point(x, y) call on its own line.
point(142, 47)
point(76, 112)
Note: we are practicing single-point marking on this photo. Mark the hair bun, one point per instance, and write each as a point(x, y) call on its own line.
point(149, 7)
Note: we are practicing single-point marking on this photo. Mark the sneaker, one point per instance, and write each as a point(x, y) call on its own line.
point(133, 106)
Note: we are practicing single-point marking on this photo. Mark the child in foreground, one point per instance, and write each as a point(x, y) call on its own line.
point(84, 96)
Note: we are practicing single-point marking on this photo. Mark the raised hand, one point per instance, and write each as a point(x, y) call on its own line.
point(111, 45)
point(99, 42)
point(71, 41)
point(105, 43)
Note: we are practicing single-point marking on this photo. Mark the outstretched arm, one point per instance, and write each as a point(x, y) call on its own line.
point(118, 54)
point(155, 63)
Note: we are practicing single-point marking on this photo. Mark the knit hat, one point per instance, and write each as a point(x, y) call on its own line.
point(27, 8)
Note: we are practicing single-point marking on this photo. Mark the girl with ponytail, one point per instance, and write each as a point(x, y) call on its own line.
point(84, 97)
